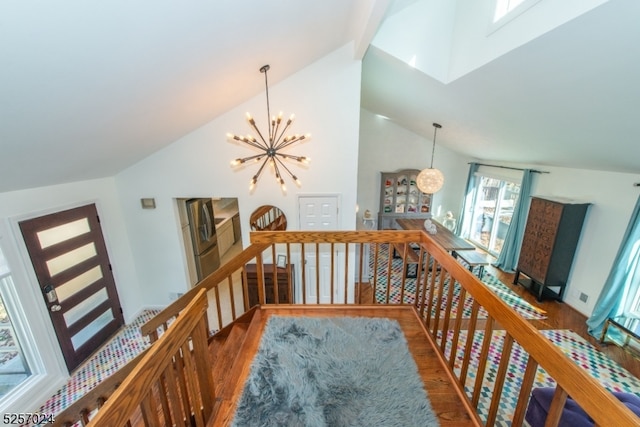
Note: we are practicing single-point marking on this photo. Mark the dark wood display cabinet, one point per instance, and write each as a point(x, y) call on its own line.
point(548, 246)
point(284, 295)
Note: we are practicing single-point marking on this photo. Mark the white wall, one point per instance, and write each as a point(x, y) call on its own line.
point(325, 97)
point(387, 147)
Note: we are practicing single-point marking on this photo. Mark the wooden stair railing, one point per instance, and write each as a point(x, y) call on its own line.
point(171, 384)
point(160, 322)
point(444, 330)
point(346, 251)
point(79, 412)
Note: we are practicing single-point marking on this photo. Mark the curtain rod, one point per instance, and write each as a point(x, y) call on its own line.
point(517, 169)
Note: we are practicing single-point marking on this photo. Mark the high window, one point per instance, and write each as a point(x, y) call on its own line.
point(492, 210)
point(503, 7)
point(506, 10)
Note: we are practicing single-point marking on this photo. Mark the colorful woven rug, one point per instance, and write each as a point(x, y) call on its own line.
point(525, 309)
point(122, 348)
point(611, 375)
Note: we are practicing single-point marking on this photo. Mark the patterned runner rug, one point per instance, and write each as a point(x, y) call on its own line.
point(611, 375)
point(525, 309)
point(122, 348)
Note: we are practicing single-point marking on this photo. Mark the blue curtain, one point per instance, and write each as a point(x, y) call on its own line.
point(508, 259)
point(624, 278)
point(462, 229)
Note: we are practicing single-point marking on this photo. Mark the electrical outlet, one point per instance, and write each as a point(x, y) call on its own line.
point(583, 297)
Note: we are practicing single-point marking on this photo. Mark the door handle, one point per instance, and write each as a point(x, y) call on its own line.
point(50, 294)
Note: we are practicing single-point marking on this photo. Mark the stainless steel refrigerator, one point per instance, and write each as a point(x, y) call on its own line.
point(203, 236)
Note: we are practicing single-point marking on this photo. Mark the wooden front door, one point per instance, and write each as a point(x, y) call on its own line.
point(70, 260)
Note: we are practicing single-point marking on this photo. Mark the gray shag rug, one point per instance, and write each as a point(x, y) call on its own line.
point(345, 371)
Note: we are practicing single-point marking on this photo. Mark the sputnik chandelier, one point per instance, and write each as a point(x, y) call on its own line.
point(271, 147)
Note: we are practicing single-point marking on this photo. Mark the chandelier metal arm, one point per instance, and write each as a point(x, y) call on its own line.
point(252, 142)
point(293, 139)
point(246, 159)
point(257, 175)
point(296, 158)
point(295, 178)
point(278, 141)
point(252, 123)
point(276, 125)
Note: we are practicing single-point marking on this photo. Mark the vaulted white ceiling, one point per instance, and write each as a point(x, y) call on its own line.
point(566, 98)
point(88, 89)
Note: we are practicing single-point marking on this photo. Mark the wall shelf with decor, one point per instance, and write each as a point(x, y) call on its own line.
point(401, 198)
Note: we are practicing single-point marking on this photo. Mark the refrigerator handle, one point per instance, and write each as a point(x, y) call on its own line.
point(208, 225)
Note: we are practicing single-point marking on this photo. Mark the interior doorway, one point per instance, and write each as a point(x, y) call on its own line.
point(320, 213)
point(69, 256)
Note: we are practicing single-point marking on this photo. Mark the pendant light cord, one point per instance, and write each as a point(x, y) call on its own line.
point(436, 126)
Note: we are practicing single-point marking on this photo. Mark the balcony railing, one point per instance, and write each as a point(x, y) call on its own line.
point(334, 268)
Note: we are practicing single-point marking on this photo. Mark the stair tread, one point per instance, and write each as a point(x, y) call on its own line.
point(223, 353)
point(238, 372)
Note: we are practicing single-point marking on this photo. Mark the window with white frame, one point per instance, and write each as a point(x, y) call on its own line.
point(506, 10)
point(14, 368)
point(491, 212)
point(633, 280)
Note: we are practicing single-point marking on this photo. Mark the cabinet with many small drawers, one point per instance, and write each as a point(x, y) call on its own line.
point(548, 245)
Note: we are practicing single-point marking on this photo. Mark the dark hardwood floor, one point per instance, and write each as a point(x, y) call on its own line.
point(563, 316)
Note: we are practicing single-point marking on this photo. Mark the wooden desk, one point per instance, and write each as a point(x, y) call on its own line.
point(444, 237)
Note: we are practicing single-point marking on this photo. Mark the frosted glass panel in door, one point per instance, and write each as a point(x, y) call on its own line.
point(70, 259)
point(88, 331)
point(82, 309)
point(78, 283)
point(63, 232)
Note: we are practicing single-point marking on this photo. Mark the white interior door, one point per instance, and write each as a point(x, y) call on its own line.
point(320, 213)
